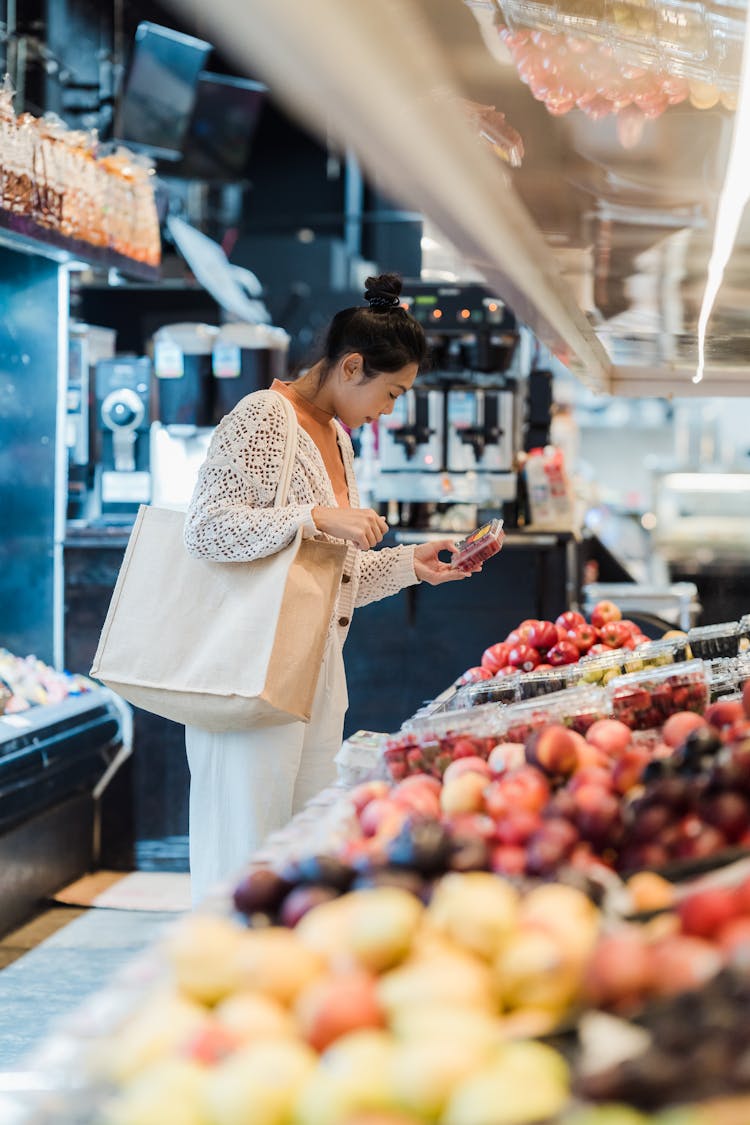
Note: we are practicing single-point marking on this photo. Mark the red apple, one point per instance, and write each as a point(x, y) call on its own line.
point(523, 656)
point(614, 634)
point(474, 675)
point(704, 913)
point(418, 781)
point(603, 612)
point(563, 653)
point(598, 649)
point(521, 634)
point(506, 756)
point(582, 636)
point(471, 825)
point(569, 619)
point(543, 635)
point(496, 656)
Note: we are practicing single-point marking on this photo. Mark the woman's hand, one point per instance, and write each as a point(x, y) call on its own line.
point(429, 568)
point(361, 526)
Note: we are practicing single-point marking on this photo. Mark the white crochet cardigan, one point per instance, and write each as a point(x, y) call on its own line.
point(231, 516)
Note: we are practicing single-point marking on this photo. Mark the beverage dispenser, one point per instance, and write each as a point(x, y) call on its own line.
point(411, 438)
point(123, 397)
point(480, 429)
point(182, 366)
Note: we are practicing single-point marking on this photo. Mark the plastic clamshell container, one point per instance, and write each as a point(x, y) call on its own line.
point(742, 669)
point(487, 719)
point(502, 690)
point(707, 642)
point(535, 684)
point(722, 677)
point(576, 708)
point(604, 667)
point(646, 699)
point(655, 653)
point(481, 545)
point(745, 633)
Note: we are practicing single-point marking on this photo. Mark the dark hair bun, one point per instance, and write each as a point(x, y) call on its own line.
point(384, 291)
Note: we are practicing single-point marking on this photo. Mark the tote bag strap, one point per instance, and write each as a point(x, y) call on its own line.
point(290, 451)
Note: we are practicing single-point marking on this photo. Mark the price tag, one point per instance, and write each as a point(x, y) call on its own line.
point(226, 361)
point(169, 362)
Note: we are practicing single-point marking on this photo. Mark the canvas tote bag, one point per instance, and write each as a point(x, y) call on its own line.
point(219, 645)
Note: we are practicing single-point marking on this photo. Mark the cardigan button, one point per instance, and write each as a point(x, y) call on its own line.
point(343, 620)
point(346, 577)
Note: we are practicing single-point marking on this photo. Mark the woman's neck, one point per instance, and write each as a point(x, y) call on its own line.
point(314, 389)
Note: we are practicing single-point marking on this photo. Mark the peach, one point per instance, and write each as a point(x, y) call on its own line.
point(620, 968)
point(418, 781)
point(609, 735)
point(553, 749)
point(678, 727)
point(361, 795)
point(683, 963)
point(418, 799)
point(333, 1006)
point(506, 756)
point(464, 794)
point(379, 812)
point(724, 712)
point(629, 769)
point(473, 764)
point(649, 891)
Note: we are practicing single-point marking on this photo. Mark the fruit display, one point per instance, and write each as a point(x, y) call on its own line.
point(646, 699)
point(374, 1008)
point(28, 682)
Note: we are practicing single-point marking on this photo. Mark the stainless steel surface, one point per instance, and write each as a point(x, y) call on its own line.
point(600, 247)
point(485, 489)
point(479, 430)
point(411, 438)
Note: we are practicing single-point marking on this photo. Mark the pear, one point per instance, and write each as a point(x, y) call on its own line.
point(525, 1082)
point(477, 910)
point(450, 978)
point(533, 971)
point(157, 1030)
point(275, 962)
point(171, 1090)
point(259, 1084)
point(202, 951)
point(426, 1071)
point(253, 1016)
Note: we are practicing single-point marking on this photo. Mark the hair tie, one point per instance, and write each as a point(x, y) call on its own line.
point(381, 301)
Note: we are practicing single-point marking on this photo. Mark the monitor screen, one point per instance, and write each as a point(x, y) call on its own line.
point(222, 127)
point(160, 90)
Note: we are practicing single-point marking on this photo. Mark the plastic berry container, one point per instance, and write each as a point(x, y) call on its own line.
point(520, 720)
point(578, 708)
point(481, 545)
point(722, 678)
point(487, 719)
point(646, 699)
point(745, 633)
point(535, 684)
point(503, 690)
point(707, 642)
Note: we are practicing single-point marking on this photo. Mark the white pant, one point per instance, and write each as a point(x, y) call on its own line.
point(246, 784)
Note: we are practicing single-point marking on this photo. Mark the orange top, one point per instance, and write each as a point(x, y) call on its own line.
point(319, 424)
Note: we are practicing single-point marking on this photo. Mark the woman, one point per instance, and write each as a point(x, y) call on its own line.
point(247, 784)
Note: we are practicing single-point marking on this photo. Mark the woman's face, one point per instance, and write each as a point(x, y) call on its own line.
point(360, 399)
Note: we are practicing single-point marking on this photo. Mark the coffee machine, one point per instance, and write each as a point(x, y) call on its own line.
point(87, 344)
point(123, 400)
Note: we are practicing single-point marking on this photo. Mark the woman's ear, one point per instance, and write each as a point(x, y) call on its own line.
point(352, 367)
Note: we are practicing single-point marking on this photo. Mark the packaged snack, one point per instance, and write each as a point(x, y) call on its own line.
point(711, 641)
point(645, 699)
point(482, 544)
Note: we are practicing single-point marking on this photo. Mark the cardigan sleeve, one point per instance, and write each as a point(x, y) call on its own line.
point(383, 572)
point(231, 517)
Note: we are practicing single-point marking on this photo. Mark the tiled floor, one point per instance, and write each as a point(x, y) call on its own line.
point(48, 967)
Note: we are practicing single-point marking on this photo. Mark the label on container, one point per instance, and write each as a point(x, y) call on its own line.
point(169, 362)
point(226, 361)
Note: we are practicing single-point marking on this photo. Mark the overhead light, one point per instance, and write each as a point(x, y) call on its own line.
point(732, 201)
